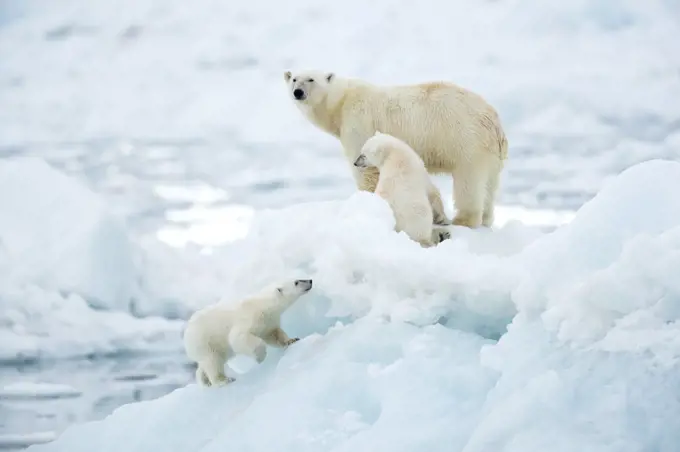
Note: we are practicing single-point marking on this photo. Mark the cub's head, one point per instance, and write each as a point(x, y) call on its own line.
point(290, 291)
point(376, 149)
point(309, 87)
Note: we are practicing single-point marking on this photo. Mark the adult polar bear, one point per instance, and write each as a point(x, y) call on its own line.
point(453, 130)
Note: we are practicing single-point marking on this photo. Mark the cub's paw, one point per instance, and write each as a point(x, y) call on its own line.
point(444, 235)
point(260, 353)
point(223, 381)
point(292, 341)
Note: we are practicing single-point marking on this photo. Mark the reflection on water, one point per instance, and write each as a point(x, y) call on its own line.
point(206, 226)
point(103, 384)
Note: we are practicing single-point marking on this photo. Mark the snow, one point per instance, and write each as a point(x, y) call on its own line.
point(25, 440)
point(58, 233)
point(38, 324)
point(29, 390)
point(399, 347)
point(209, 184)
point(70, 273)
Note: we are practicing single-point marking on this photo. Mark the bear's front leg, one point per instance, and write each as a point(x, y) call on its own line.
point(279, 338)
point(245, 343)
point(435, 198)
point(353, 141)
point(367, 179)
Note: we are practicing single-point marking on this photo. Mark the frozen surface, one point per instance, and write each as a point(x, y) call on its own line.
point(19, 441)
point(175, 114)
point(28, 390)
point(103, 385)
point(397, 346)
point(69, 272)
point(57, 233)
point(38, 324)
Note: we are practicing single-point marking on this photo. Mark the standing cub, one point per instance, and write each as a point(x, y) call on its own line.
point(217, 332)
point(405, 184)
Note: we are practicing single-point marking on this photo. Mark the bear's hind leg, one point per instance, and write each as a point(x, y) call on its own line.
point(201, 377)
point(438, 212)
point(213, 368)
point(367, 179)
point(490, 199)
point(469, 192)
point(415, 219)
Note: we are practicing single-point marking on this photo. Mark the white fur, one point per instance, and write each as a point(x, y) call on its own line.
point(405, 184)
point(453, 130)
point(219, 331)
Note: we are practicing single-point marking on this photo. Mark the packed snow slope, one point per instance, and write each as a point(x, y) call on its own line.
point(397, 348)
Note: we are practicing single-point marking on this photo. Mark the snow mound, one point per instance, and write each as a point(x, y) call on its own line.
point(394, 355)
point(56, 233)
point(38, 324)
point(598, 234)
point(68, 272)
point(361, 267)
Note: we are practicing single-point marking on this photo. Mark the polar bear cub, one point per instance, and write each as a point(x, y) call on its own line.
point(406, 185)
point(219, 331)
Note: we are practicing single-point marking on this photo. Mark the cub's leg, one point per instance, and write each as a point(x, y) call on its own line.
point(245, 343)
point(279, 338)
point(212, 369)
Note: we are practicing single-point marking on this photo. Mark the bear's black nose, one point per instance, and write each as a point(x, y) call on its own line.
point(298, 93)
point(304, 282)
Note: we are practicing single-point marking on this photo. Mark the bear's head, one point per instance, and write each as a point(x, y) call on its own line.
point(290, 291)
point(375, 150)
point(309, 87)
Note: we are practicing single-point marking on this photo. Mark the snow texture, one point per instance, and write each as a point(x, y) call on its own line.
point(32, 390)
point(68, 272)
point(397, 349)
point(57, 233)
point(176, 114)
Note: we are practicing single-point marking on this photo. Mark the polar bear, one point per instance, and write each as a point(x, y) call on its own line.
point(405, 184)
point(219, 331)
point(453, 130)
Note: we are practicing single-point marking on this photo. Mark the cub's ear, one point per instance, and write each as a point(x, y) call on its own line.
point(287, 75)
point(330, 76)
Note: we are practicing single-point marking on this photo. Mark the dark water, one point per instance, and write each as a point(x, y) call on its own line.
point(104, 385)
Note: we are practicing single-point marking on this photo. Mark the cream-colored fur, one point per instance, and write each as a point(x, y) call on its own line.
point(453, 130)
point(405, 184)
point(219, 331)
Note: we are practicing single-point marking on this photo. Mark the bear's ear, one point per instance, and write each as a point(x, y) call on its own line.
point(330, 76)
point(287, 75)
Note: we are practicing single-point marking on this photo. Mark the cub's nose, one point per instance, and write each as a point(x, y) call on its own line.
point(298, 94)
point(304, 283)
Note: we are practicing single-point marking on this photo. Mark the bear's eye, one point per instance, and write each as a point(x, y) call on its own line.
point(311, 80)
point(294, 80)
